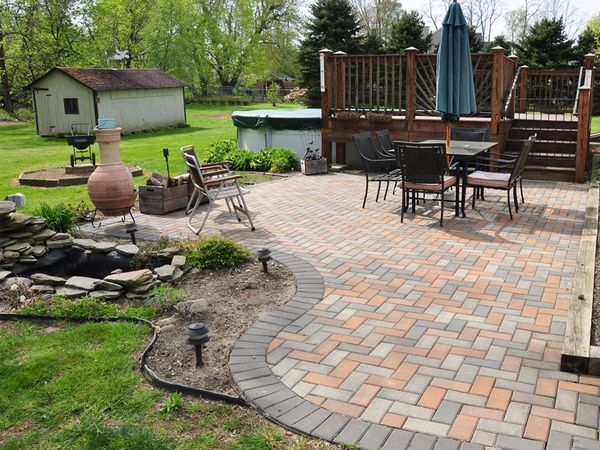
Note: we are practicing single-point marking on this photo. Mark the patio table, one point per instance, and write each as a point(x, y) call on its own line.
point(463, 151)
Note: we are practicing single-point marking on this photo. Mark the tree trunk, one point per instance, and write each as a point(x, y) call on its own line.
point(4, 84)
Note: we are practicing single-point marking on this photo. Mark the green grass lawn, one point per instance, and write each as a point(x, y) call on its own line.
point(22, 150)
point(596, 124)
point(80, 388)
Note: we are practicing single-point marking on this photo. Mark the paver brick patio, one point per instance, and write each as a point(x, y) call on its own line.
point(451, 332)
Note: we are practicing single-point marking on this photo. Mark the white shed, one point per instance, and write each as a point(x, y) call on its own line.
point(138, 99)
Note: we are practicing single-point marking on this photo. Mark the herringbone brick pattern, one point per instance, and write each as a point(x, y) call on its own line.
point(453, 331)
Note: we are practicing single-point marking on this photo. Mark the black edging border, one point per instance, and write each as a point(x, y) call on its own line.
point(254, 380)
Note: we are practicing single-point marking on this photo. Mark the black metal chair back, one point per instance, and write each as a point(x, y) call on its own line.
point(372, 161)
point(470, 134)
point(519, 166)
point(422, 163)
point(384, 139)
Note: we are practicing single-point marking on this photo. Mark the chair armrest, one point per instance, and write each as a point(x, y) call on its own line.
point(210, 173)
point(215, 165)
point(221, 180)
point(499, 160)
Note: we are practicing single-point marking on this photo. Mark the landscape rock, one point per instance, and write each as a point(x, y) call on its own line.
point(145, 287)
point(131, 279)
point(168, 251)
point(69, 292)
point(105, 246)
point(165, 273)
point(42, 289)
point(83, 283)
point(106, 295)
point(4, 274)
point(61, 237)
point(8, 242)
point(127, 249)
point(113, 254)
point(166, 321)
point(178, 261)
point(86, 244)
point(7, 207)
point(8, 254)
point(114, 272)
point(50, 280)
point(28, 259)
point(19, 281)
point(59, 243)
point(39, 250)
point(134, 296)
point(18, 247)
point(21, 235)
point(177, 274)
point(192, 308)
point(43, 235)
point(166, 328)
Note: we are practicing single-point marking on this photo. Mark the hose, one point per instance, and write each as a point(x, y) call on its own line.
point(148, 373)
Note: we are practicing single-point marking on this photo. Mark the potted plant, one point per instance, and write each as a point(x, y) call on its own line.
point(313, 162)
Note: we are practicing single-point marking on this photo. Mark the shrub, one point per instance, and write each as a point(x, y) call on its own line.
point(268, 159)
point(23, 114)
point(215, 252)
point(173, 403)
point(60, 217)
point(273, 93)
point(164, 296)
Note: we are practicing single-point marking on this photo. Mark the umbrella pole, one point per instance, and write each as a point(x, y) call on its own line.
point(448, 133)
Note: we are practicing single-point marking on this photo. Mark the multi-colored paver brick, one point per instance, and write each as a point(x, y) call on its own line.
point(425, 336)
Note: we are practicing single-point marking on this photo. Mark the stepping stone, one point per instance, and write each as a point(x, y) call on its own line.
point(178, 261)
point(69, 292)
point(42, 289)
point(50, 280)
point(127, 249)
point(131, 279)
point(106, 295)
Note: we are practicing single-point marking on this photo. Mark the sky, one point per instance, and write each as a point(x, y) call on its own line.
point(585, 9)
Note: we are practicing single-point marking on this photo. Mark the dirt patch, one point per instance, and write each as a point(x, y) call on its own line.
point(213, 116)
point(4, 122)
point(236, 299)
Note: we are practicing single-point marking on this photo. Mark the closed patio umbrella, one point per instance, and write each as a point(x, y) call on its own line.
point(455, 87)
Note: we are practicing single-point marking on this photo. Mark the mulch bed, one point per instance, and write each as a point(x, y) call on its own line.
point(236, 298)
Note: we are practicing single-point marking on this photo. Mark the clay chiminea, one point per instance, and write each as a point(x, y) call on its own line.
point(110, 186)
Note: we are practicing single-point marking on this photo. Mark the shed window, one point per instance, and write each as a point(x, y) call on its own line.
point(71, 106)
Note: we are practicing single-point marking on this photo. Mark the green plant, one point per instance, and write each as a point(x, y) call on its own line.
point(173, 403)
point(164, 296)
point(86, 307)
point(125, 437)
point(23, 115)
point(257, 440)
point(273, 93)
point(281, 159)
point(215, 252)
point(60, 217)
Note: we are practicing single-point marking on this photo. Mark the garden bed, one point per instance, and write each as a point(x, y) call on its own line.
point(235, 298)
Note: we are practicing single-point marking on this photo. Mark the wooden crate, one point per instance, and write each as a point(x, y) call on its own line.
point(160, 200)
point(313, 166)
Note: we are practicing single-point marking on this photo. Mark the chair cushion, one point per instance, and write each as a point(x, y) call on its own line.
point(448, 182)
point(489, 179)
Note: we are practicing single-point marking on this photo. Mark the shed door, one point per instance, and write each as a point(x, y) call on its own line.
point(44, 112)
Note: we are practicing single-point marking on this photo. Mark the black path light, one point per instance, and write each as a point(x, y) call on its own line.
point(198, 336)
point(131, 229)
point(264, 255)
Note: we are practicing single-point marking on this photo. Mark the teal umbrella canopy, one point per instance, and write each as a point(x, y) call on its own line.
point(455, 87)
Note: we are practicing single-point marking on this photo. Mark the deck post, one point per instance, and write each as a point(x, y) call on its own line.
point(584, 109)
point(326, 73)
point(513, 106)
point(523, 90)
point(411, 87)
point(497, 88)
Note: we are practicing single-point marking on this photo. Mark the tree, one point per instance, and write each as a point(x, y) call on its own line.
point(333, 25)
point(409, 31)
point(502, 41)
point(377, 16)
point(474, 39)
point(586, 43)
point(372, 44)
point(546, 46)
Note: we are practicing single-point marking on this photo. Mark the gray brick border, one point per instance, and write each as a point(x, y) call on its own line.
point(255, 382)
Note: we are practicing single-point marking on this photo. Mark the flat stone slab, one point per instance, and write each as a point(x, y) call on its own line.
point(127, 249)
point(106, 295)
point(50, 280)
point(42, 289)
point(4, 274)
point(43, 234)
point(132, 278)
point(166, 272)
point(70, 292)
point(7, 207)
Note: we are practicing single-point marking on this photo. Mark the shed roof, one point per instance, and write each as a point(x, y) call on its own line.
point(119, 79)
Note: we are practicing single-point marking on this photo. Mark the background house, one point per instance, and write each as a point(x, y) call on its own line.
point(137, 99)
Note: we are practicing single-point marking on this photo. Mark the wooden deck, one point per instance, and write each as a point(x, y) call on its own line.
point(362, 93)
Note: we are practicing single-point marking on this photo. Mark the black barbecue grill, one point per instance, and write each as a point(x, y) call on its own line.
point(81, 143)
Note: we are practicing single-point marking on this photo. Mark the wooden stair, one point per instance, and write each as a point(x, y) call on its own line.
point(553, 154)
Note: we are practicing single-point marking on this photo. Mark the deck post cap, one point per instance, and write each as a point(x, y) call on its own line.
point(325, 50)
point(411, 49)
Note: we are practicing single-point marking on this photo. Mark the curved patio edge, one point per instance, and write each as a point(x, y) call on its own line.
point(251, 374)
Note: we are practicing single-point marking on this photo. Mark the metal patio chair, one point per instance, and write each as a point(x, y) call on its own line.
point(425, 169)
point(378, 169)
point(215, 182)
point(506, 175)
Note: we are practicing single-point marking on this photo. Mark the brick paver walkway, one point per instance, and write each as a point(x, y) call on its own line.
point(453, 332)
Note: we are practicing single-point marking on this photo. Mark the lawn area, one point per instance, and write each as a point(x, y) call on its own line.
point(596, 124)
point(22, 150)
point(79, 387)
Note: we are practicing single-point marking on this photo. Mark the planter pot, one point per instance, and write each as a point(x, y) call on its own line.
point(110, 186)
point(313, 166)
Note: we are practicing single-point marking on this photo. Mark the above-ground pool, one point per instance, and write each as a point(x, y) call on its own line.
point(296, 129)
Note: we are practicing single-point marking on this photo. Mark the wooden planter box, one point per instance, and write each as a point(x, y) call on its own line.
point(313, 166)
point(160, 200)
